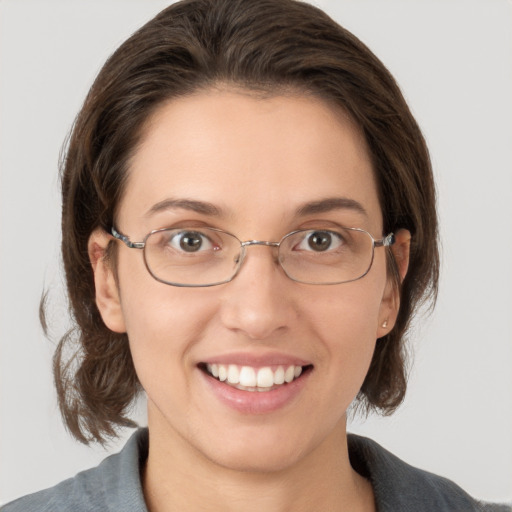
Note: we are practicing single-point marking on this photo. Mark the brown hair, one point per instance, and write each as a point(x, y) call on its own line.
point(264, 45)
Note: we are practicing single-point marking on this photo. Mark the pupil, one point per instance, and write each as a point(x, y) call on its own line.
point(190, 242)
point(320, 241)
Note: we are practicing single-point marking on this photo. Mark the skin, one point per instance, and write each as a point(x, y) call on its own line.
point(258, 160)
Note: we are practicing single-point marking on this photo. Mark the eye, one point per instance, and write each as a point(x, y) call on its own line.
point(320, 241)
point(190, 241)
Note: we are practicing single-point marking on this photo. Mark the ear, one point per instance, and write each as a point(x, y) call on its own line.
point(390, 304)
point(107, 291)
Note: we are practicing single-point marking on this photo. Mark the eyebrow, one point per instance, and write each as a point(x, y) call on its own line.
point(310, 208)
point(330, 204)
point(202, 207)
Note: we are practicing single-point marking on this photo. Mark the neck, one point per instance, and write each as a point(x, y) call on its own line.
point(178, 477)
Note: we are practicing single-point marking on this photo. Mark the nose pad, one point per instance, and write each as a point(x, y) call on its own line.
point(238, 261)
point(239, 258)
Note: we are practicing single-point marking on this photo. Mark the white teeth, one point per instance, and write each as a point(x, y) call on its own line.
point(248, 377)
point(289, 374)
point(233, 374)
point(265, 377)
point(252, 379)
point(279, 376)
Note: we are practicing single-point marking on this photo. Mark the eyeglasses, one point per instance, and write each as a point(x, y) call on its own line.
point(198, 257)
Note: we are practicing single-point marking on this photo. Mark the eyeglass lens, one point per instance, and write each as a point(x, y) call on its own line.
point(207, 256)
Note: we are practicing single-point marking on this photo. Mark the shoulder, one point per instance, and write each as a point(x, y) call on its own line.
point(399, 486)
point(114, 485)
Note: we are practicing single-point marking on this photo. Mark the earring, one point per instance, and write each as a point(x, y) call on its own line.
point(384, 324)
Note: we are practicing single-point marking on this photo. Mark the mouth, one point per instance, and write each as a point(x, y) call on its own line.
point(253, 379)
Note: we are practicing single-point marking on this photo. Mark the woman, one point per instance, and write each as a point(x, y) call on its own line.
point(248, 226)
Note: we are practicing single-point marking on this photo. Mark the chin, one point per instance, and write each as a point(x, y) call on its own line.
point(261, 451)
point(258, 461)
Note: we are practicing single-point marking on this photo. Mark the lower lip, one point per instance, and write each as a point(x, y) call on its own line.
point(256, 402)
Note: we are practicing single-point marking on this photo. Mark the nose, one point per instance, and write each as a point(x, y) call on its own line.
point(259, 303)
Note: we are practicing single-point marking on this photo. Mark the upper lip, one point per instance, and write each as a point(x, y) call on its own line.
point(257, 360)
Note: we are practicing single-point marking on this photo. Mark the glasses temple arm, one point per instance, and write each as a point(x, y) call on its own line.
point(126, 240)
point(386, 241)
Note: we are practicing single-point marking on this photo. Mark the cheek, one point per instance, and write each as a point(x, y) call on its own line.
point(349, 312)
point(152, 310)
point(346, 323)
point(162, 323)
point(166, 319)
point(163, 329)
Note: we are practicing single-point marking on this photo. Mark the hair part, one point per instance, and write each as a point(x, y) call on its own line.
point(267, 47)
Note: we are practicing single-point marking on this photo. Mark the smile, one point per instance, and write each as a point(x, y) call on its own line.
point(248, 378)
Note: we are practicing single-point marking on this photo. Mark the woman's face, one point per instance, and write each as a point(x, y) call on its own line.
point(255, 168)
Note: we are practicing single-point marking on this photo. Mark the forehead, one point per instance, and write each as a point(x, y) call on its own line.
point(249, 156)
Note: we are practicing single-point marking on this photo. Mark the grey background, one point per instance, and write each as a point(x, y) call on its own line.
point(453, 60)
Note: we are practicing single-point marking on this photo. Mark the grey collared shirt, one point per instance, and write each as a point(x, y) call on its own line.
point(115, 485)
